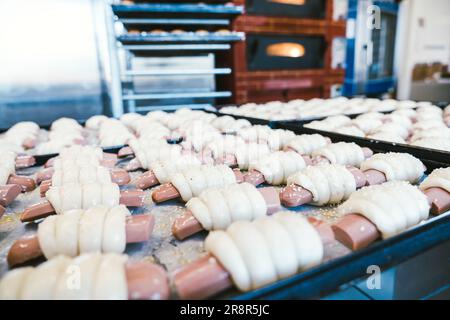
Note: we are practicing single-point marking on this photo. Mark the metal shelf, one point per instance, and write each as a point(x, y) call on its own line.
point(170, 21)
point(178, 8)
point(178, 47)
point(201, 106)
point(177, 72)
point(189, 37)
point(157, 96)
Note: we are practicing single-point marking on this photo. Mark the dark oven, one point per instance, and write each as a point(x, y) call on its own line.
point(314, 9)
point(283, 52)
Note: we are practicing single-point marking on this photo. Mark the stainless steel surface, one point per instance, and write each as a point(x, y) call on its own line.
point(50, 60)
point(178, 72)
point(178, 47)
point(176, 106)
point(216, 22)
point(143, 96)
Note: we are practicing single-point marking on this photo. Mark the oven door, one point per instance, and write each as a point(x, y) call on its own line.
point(283, 52)
point(290, 8)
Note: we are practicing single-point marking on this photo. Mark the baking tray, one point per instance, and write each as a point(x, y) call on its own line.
point(339, 267)
point(185, 9)
point(187, 37)
point(435, 158)
point(301, 122)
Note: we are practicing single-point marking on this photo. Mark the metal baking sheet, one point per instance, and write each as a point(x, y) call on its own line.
point(185, 8)
point(340, 265)
point(186, 37)
point(435, 158)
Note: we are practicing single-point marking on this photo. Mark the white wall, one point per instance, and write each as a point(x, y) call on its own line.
point(423, 37)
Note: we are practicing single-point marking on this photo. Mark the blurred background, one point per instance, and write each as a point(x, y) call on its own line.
point(78, 58)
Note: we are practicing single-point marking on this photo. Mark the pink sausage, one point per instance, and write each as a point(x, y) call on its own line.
point(8, 193)
point(146, 180)
point(37, 211)
point(25, 161)
point(26, 183)
point(439, 200)
point(132, 198)
point(254, 177)
point(43, 175)
point(146, 280)
point(374, 177)
point(355, 231)
point(201, 279)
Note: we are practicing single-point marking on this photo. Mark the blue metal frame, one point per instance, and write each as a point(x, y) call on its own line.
point(371, 87)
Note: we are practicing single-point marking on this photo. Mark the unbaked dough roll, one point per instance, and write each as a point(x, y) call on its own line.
point(42, 281)
point(392, 206)
point(98, 229)
point(328, 183)
point(224, 145)
point(305, 144)
point(66, 233)
point(438, 178)
point(164, 168)
point(71, 173)
point(12, 283)
point(149, 151)
point(77, 282)
point(91, 227)
point(275, 139)
point(192, 181)
point(83, 196)
point(90, 276)
point(114, 230)
point(81, 154)
point(111, 281)
point(342, 153)
point(248, 154)
point(217, 208)
point(278, 166)
point(94, 122)
point(268, 249)
point(7, 166)
point(396, 166)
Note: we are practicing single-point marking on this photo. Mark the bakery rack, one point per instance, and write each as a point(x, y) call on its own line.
point(199, 33)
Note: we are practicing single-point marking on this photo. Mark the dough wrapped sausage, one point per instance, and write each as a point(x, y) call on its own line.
point(438, 178)
point(83, 196)
point(98, 229)
point(305, 144)
point(342, 153)
point(192, 181)
point(392, 206)
point(66, 172)
point(328, 183)
point(278, 166)
point(396, 166)
point(165, 168)
point(228, 124)
point(276, 139)
point(149, 151)
point(248, 154)
point(217, 208)
point(86, 277)
point(112, 132)
point(79, 155)
point(267, 249)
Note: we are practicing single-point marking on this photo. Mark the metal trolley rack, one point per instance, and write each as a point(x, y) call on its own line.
point(189, 17)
